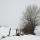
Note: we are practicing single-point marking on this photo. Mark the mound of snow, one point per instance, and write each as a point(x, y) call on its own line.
point(37, 30)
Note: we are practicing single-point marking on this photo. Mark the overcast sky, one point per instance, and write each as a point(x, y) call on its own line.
point(11, 10)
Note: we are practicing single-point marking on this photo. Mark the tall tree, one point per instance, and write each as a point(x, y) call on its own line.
point(32, 16)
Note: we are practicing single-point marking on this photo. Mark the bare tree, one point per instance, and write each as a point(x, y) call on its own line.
point(32, 16)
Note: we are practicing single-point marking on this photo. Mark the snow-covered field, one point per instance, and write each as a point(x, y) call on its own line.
point(4, 32)
point(25, 37)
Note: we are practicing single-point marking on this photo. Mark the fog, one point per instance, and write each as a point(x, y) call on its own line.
point(11, 10)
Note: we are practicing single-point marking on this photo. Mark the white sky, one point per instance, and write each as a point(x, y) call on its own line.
point(11, 10)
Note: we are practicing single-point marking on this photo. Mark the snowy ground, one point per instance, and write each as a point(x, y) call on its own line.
point(4, 32)
point(25, 37)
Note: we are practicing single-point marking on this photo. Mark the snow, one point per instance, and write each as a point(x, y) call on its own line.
point(37, 30)
point(25, 37)
point(13, 32)
point(4, 32)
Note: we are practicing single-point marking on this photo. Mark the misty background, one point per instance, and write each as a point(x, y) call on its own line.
point(11, 11)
